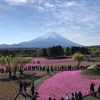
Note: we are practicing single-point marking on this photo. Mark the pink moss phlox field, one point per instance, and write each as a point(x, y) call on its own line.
point(43, 60)
point(66, 82)
point(34, 61)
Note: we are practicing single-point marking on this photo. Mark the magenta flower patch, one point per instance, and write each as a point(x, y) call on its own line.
point(66, 82)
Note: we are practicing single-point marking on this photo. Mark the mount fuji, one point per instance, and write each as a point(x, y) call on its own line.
point(47, 40)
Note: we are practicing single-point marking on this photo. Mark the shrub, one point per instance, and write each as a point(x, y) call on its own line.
point(92, 70)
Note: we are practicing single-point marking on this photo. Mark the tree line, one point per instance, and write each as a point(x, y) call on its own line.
point(54, 51)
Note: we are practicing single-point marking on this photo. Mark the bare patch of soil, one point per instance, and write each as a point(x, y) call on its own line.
point(8, 87)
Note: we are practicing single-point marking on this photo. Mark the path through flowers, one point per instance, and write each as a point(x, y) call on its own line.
point(66, 82)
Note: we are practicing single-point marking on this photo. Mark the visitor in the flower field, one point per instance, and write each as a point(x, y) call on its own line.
point(35, 96)
point(76, 96)
point(49, 98)
point(73, 97)
point(51, 68)
point(99, 90)
point(62, 99)
point(67, 96)
point(20, 87)
point(62, 67)
point(48, 70)
point(32, 89)
point(25, 86)
point(92, 88)
point(80, 96)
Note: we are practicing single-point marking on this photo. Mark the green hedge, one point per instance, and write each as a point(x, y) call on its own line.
point(92, 72)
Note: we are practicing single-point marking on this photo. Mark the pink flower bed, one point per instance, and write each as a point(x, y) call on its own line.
point(43, 60)
point(56, 60)
point(66, 82)
point(35, 63)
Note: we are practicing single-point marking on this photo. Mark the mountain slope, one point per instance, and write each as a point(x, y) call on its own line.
point(47, 40)
point(50, 39)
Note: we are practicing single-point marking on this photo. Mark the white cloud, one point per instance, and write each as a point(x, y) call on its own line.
point(66, 4)
point(75, 15)
point(81, 14)
point(40, 8)
point(70, 4)
point(39, 2)
point(16, 2)
point(49, 5)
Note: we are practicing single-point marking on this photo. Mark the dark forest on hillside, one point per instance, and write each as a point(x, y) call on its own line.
point(55, 51)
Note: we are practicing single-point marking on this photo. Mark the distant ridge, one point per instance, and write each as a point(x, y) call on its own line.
point(47, 40)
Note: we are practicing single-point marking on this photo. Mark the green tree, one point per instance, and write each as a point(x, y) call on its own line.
point(15, 62)
point(78, 57)
point(49, 52)
point(21, 62)
point(97, 53)
point(67, 51)
point(60, 50)
point(55, 51)
point(2, 61)
point(6, 62)
point(44, 52)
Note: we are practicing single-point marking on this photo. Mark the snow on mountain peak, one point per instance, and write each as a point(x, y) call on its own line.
point(50, 35)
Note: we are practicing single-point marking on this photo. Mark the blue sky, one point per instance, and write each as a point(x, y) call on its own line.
point(24, 20)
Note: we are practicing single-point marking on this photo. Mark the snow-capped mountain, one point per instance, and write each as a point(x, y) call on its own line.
point(47, 40)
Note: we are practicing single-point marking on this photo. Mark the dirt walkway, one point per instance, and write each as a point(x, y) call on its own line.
point(37, 82)
point(92, 98)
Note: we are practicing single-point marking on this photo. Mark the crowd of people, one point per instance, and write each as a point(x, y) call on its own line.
point(75, 96)
point(23, 87)
point(55, 68)
point(64, 68)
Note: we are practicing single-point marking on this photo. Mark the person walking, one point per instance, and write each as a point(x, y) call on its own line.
point(92, 88)
point(35, 96)
point(76, 96)
point(51, 68)
point(20, 87)
point(99, 90)
point(25, 86)
point(73, 97)
point(49, 98)
point(48, 70)
point(67, 96)
point(32, 89)
point(80, 96)
point(62, 99)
